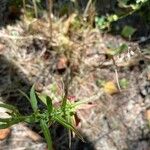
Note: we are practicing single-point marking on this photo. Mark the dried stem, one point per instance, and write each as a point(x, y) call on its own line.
point(24, 6)
point(35, 8)
point(87, 8)
point(116, 74)
point(50, 6)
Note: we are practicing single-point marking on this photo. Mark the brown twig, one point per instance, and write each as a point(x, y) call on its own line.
point(116, 74)
point(35, 8)
point(86, 9)
point(50, 6)
point(24, 6)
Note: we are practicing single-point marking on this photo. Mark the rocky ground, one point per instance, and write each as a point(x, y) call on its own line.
point(117, 114)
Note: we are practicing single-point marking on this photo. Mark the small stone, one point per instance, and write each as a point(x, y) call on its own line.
point(4, 133)
point(147, 114)
point(148, 76)
point(1, 48)
point(62, 63)
point(110, 88)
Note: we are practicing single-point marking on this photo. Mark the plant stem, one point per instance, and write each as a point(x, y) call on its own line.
point(50, 6)
point(35, 8)
point(87, 8)
point(24, 6)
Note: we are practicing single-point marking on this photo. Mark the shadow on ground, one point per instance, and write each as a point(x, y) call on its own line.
point(12, 80)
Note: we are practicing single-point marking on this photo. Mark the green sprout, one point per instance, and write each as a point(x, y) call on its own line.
point(44, 118)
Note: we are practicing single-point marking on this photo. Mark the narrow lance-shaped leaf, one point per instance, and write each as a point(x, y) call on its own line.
point(9, 107)
point(69, 119)
point(63, 106)
point(49, 104)
point(33, 99)
point(25, 95)
point(121, 49)
point(42, 97)
point(4, 125)
point(7, 122)
point(68, 126)
point(46, 133)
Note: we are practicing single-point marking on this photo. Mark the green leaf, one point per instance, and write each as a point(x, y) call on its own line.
point(9, 107)
point(121, 49)
point(124, 83)
point(21, 118)
point(62, 121)
point(49, 105)
point(33, 99)
point(99, 21)
point(30, 119)
point(53, 88)
point(128, 31)
point(9, 122)
point(42, 97)
point(4, 126)
point(46, 133)
point(5, 120)
point(64, 102)
point(25, 95)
